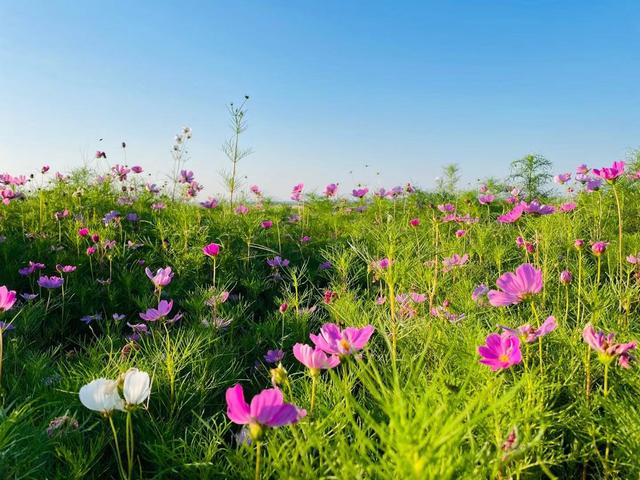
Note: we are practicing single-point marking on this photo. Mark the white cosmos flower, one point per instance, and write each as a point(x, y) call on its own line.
point(101, 395)
point(137, 386)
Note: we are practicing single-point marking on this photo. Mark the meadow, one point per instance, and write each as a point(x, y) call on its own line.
point(349, 334)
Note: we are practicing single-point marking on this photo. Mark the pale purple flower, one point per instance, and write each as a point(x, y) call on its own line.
point(454, 261)
point(606, 348)
point(161, 278)
point(50, 282)
point(486, 199)
point(278, 262)
point(274, 356)
point(530, 334)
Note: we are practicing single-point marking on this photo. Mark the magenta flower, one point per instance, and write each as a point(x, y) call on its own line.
point(566, 277)
point(360, 192)
point(330, 190)
point(582, 169)
point(50, 282)
point(516, 287)
point(210, 203)
point(137, 169)
point(598, 248)
point(486, 199)
point(267, 409)
point(536, 208)
point(91, 250)
point(283, 307)
point(607, 350)
point(610, 174)
point(161, 278)
point(568, 207)
point(500, 351)
point(414, 222)
point(334, 341)
point(7, 298)
point(578, 244)
point(314, 359)
point(383, 263)
point(296, 193)
point(447, 208)
point(33, 266)
point(266, 224)
point(83, 232)
point(512, 215)
point(211, 250)
point(241, 210)
point(460, 233)
point(530, 334)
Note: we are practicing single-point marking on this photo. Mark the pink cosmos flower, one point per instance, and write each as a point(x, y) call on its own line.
point(500, 351)
point(582, 169)
point(7, 298)
point(578, 244)
point(91, 250)
point(383, 263)
point(486, 199)
point(44, 169)
point(330, 190)
point(267, 409)
point(266, 224)
point(163, 310)
point(334, 341)
point(447, 208)
point(566, 277)
point(537, 208)
point(283, 307)
point(460, 233)
point(210, 203)
point(610, 174)
point(454, 261)
point(633, 259)
point(360, 192)
point(568, 207)
point(512, 215)
point(607, 350)
point(314, 358)
point(100, 154)
point(65, 268)
point(516, 287)
point(137, 169)
point(598, 248)
point(83, 232)
point(241, 210)
point(161, 278)
point(414, 222)
point(562, 178)
point(50, 282)
point(296, 193)
point(211, 250)
point(530, 334)
point(418, 297)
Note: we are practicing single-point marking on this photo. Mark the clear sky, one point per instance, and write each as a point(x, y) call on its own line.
point(401, 86)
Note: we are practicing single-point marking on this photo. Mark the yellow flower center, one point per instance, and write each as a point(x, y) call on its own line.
point(345, 345)
point(503, 358)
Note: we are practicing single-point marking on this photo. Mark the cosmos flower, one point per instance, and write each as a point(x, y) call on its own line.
point(161, 278)
point(314, 359)
point(516, 287)
point(136, 387)
point(101, 395)
point(598, 248)
point(606, 348)
point(330, 190)
point(566, 277)
point(334, 341)
point(210, 203)
point(278, 262)
point(7, 298)
point(267, 410)
point(360, 192)
point(500, 351)
point(414, 222)
point(562, 178)
point(530, 334)
point(454, 261)
point(486, 199)
point(163, 310)
point(274, 356)
point(211, 250)
point(610, 174)
point(50, 282)
point(266, 224)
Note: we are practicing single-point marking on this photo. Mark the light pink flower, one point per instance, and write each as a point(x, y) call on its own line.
point(314, 358)
point(334, 341)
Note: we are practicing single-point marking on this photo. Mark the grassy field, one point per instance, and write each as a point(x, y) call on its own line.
point(413, 400)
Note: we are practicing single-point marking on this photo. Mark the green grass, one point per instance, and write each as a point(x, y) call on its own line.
point(432, 413)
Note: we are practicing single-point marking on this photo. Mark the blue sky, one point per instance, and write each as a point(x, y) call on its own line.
point(403, 87)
